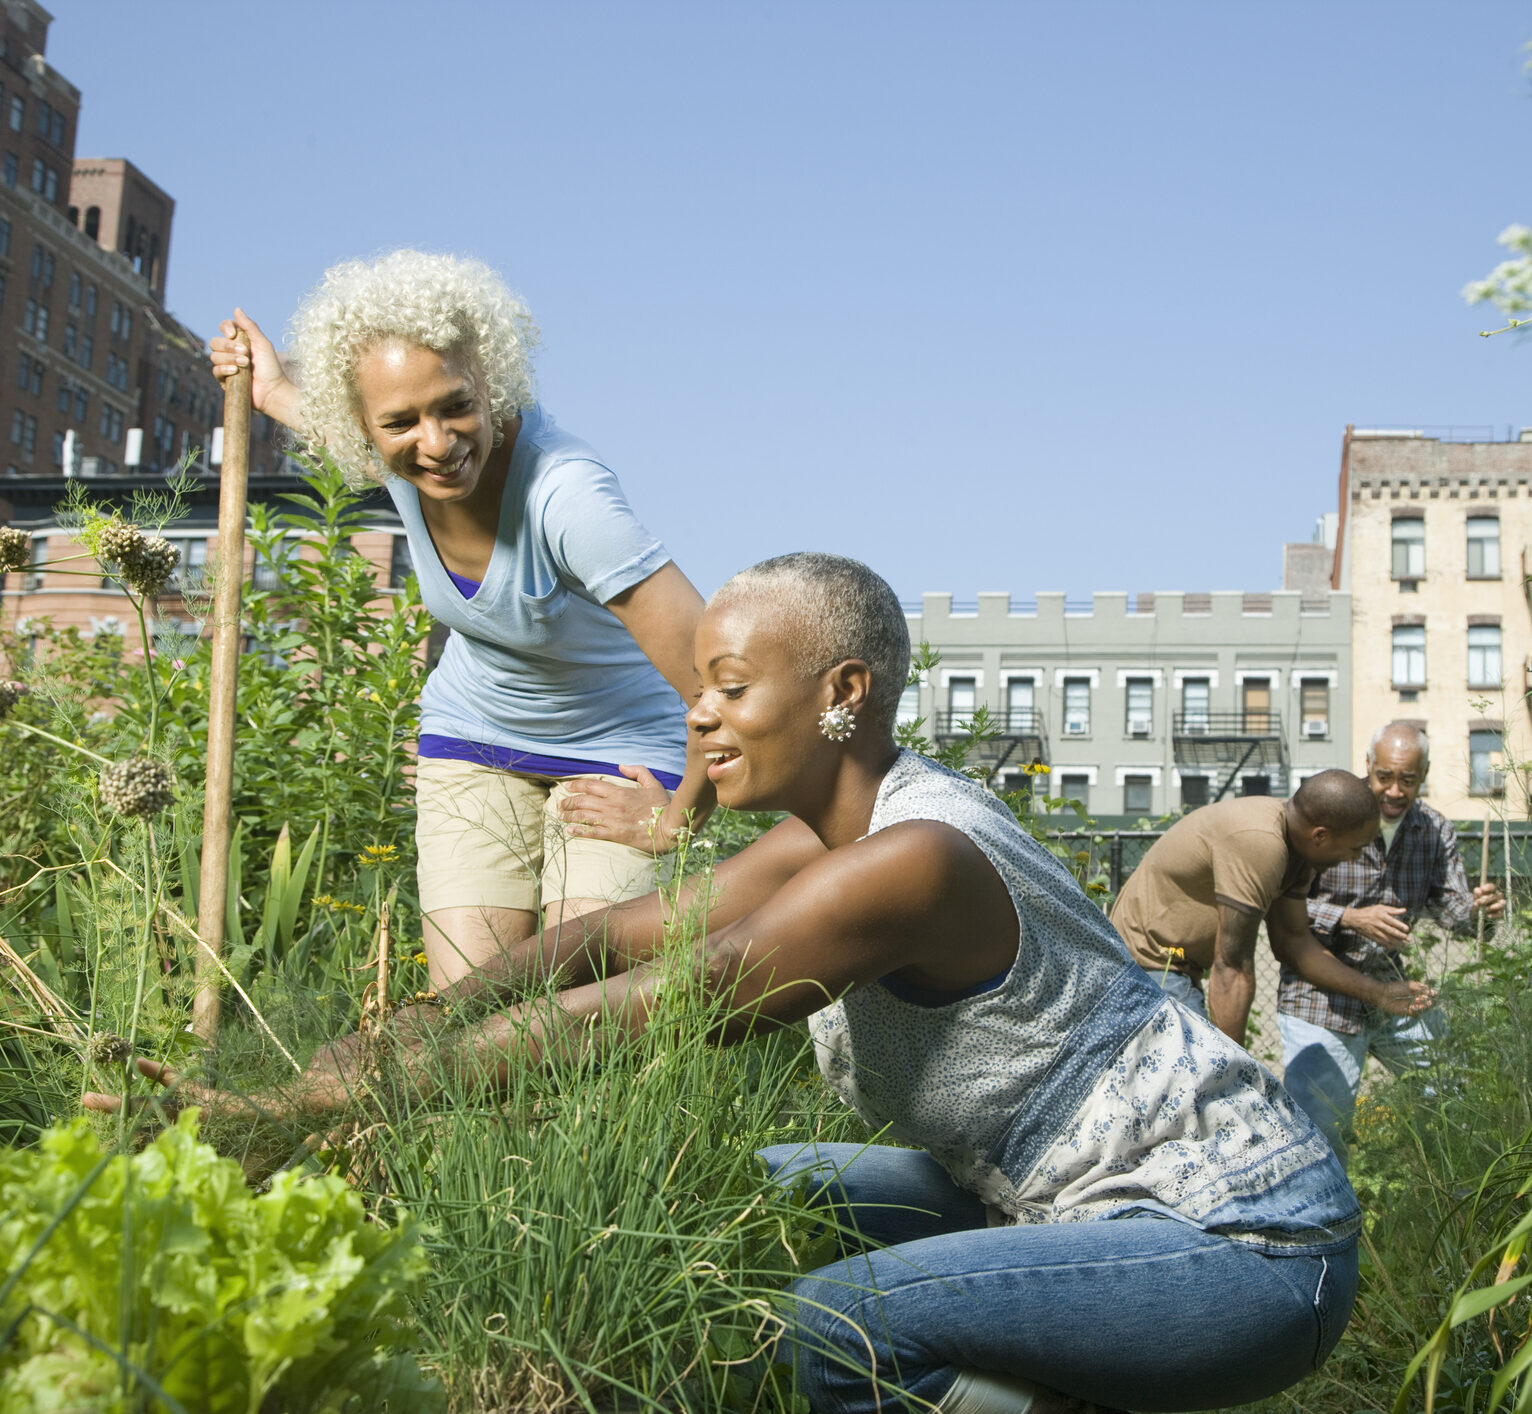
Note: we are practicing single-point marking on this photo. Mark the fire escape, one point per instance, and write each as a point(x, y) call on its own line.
point(1021, 738)
point(1242, 752)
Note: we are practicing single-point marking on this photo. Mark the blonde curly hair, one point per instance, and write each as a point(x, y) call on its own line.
point(444, 303)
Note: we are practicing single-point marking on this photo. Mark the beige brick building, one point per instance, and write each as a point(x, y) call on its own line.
point(1432, 545)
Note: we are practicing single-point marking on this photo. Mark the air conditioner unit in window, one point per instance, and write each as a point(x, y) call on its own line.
point(1138, 728)
point(1318, 728)
point(1076, 728)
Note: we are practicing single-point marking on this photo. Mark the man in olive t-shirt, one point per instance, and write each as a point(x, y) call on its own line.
point(1192, 908)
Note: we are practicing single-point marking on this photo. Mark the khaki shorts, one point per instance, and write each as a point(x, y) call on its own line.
point(487, 838)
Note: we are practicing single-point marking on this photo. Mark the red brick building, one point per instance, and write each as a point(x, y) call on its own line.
point(97, 377)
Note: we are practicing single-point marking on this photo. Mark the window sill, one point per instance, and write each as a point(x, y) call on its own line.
point(1408, 686)
point(1403, 579)
point(1485, 578)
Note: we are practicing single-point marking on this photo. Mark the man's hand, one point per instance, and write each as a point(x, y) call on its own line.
point(1405, 998)
point(1382, 922)
point(1488, 900)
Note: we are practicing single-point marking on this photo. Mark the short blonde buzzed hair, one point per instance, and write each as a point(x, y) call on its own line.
point(833, 608)
point(445, 303)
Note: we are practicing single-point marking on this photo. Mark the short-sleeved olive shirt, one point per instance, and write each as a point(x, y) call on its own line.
point(1234, 852)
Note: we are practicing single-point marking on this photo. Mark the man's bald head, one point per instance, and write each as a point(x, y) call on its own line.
point(1332, 817)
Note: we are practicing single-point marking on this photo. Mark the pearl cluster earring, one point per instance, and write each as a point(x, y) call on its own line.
point(837, 723)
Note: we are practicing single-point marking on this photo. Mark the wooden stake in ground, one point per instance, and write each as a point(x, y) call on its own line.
point(217, 812)
point(1483, 880)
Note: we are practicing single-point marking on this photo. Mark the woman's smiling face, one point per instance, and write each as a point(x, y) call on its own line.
point(428, 415)
point(756, 712)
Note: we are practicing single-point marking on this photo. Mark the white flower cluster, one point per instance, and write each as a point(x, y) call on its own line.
point(1509, 284)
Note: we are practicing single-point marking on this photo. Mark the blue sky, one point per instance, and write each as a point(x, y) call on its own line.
point(993, 296)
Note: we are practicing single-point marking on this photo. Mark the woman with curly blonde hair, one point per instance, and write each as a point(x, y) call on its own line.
point(567, 618)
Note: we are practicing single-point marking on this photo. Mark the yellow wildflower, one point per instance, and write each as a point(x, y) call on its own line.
point(376, 854)
point(420, 957)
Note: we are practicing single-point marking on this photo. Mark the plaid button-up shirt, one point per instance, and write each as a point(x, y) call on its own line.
point(1422, 872)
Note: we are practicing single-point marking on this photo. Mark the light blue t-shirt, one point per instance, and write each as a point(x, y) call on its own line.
point(534, 662)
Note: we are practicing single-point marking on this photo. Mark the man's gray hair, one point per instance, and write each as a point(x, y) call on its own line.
point(1401, 729)
point(832, 608)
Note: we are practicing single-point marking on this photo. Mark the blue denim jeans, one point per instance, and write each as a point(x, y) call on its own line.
point(1322, 1068)
point(1144, 1312)
point(1183, 989)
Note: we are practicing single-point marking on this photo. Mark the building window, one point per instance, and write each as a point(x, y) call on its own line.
point(1255, 785)
point(1194, 704)
point(87, 351)
point(93, 224)
point(90, 299)
point(1484, 547)
point(1485, 750)
point(1021, 705)
point(1194, 792)
point(18, 427)
point(1410, 656)
point(12, 169)
point(1314, 707)
point(1484, 655)
point(1137, 795)
point(962, 698)
point(1409, 547)
point(38, 169)
point(18, 113)
point(189, 574)
point(40, 325)
point(1255, 700)
point(5, 236)
point(58, 449)
point(51, 185)
point(71, 337)
point(909, 700)
point(29, 375)
point(1076, 788)
point(81, 405)
point(74, 289)
point(65, 396)
point(1140, 706)
point(1076, 706)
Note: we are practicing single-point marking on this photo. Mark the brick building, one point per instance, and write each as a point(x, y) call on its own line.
point(33, 597)
point(92, 364)
point(1433, 545)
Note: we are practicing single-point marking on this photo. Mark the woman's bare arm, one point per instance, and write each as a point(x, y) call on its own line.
point(609, 940)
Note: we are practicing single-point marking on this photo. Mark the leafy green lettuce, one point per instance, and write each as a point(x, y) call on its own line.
point(161, 1282)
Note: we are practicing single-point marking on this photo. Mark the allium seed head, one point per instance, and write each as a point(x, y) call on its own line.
point(15, 549)
point(150, 569)
point(137, 786)
point(109, 1050)
point(118, 542)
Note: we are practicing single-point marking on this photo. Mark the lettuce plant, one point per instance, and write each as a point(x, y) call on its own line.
point(160, 1282)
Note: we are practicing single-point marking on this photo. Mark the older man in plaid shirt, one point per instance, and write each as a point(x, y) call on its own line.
point(1361, 910)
